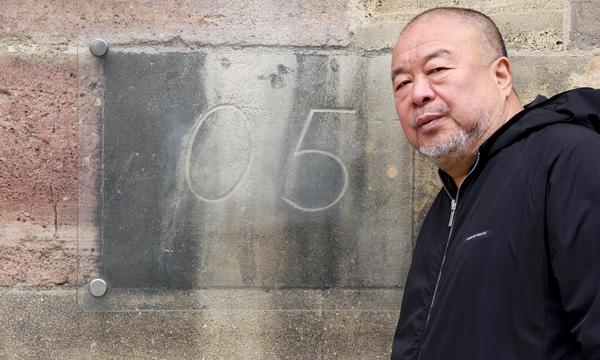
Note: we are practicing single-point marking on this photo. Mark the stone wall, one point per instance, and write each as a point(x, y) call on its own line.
point(553, 44)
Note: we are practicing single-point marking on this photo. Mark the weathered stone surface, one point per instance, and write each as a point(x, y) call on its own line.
point(522, 31)
point(585, 28)
point(39, 249)
point(588, 74)
point(49, 22)
point(547, 75)
point(38, 173)
point(531, 30)
point(54, 21)
point(37, 127)
point(377, 8)
point(48, 325)
point(351, 336)
point(379, 36)
point(35, 264)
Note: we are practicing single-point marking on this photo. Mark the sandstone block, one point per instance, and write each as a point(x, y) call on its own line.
point(548, 75)
point(252, 21)
point(38, 152)
point(47, 324)
point(585, 28)
point(523, 29)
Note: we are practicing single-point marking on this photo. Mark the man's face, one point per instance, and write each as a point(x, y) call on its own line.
point(445, 95)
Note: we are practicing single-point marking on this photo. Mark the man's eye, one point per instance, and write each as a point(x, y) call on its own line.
point(402, 84)
point(437, 70)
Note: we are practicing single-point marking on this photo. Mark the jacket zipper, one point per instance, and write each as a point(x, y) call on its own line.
point(453, 204)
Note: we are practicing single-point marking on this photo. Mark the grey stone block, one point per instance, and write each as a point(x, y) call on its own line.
point(300, 34)
point(49, 325)
point(585, 28)
point(540, 30)
point(531, 30)
point(46, 22)
point(545, 75)
point(376, 8)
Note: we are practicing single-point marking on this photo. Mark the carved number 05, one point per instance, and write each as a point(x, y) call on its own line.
point(297, 153)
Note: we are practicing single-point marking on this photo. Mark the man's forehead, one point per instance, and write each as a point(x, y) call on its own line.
point(422, 55)
point(428, 51)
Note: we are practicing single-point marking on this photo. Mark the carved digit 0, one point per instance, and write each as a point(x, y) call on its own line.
point(217, 169)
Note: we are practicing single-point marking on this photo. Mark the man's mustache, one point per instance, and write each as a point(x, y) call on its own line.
point(432, 109)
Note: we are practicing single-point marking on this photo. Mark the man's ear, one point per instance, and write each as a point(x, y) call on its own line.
point(503, 74)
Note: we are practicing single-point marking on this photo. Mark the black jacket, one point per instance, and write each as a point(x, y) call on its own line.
point(514, 273)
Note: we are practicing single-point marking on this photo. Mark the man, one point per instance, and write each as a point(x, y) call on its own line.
point(507, 264)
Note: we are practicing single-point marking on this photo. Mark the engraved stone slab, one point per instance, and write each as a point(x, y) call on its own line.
point(246, 169)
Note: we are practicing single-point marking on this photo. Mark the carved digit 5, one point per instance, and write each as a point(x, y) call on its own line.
point(315, 152)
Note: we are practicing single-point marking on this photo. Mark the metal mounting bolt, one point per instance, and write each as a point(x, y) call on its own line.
point(98, 287)
point(99, 47)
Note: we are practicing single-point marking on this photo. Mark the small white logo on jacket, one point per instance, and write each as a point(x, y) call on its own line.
point(478, 235)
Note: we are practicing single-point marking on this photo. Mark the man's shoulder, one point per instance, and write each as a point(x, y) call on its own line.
point(563, 150)
point(556, 138)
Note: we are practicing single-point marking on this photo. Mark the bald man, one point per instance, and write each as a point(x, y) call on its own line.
point(507, 263)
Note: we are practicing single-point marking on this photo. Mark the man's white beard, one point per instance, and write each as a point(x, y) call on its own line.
point(446, 147)
point(460, 144)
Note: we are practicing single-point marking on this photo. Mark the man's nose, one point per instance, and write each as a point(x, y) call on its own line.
point(422, 93)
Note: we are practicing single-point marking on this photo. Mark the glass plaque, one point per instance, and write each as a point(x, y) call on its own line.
point(239, 178)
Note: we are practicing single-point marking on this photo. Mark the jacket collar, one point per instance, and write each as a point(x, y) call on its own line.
point(580, 106)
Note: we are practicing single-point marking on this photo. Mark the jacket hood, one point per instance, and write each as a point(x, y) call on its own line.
point(578, 106)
